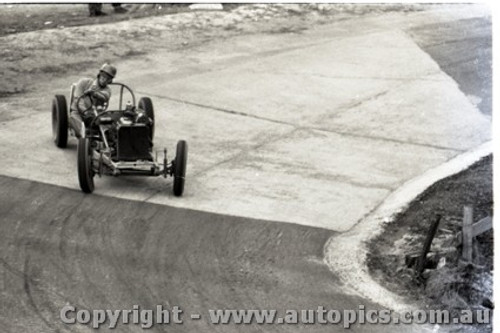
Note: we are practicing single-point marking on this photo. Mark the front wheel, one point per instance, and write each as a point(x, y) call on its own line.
point(60, 121)
point(180, 168)
point(85, 171)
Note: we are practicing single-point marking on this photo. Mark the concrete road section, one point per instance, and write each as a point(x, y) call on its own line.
point(325, 121)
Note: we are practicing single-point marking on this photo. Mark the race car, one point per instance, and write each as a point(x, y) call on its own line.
point(116, 142)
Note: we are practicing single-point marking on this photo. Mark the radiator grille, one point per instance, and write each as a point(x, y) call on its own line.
point(133, 143)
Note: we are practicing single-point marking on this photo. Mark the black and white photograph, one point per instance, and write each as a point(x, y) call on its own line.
point(246, 167)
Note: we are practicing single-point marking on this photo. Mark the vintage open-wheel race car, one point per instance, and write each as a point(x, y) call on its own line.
point(116, 142)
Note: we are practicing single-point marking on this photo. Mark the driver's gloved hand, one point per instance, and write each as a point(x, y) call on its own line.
point(96, 97)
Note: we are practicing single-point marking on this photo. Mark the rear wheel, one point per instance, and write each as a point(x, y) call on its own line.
point(146, 104)
point(85, 172)
point(60, 121)
point(180, 168)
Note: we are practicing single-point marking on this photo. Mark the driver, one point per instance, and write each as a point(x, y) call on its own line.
point(97, 94)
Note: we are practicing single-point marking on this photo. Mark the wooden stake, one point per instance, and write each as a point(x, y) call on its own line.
point(478, 228)
point(467, 234)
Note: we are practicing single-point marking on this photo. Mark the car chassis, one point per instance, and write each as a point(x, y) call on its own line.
point(115, 143)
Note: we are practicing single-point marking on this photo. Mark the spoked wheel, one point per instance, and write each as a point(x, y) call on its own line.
point(85, 171)
point(60, 121)
point(146, 104)
point(180, 168)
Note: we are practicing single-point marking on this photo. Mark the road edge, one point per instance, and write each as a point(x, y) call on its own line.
point(345, 254)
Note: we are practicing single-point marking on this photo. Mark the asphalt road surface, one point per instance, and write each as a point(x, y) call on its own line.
point(294, 139)
point(104, 253)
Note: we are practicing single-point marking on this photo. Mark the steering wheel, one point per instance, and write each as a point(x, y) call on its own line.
point(80, 105)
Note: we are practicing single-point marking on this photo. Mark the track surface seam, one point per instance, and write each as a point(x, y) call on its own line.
point(342, 133)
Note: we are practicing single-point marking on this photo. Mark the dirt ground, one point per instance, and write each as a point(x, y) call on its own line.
point(16, 18)
point(28, 17)
point(72, 41)
point(456, 285)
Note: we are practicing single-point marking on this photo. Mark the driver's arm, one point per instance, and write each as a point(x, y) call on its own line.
point(81, 86)
point(101, 96)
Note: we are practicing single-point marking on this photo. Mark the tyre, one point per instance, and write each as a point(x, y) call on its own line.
point(146, 104)
point(85, 172)
point(60, 121)
point(180, 168)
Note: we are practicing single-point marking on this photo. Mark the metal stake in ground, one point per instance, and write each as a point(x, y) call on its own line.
point(419, 268)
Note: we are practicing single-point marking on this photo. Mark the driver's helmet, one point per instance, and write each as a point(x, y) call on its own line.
point(108, 69)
